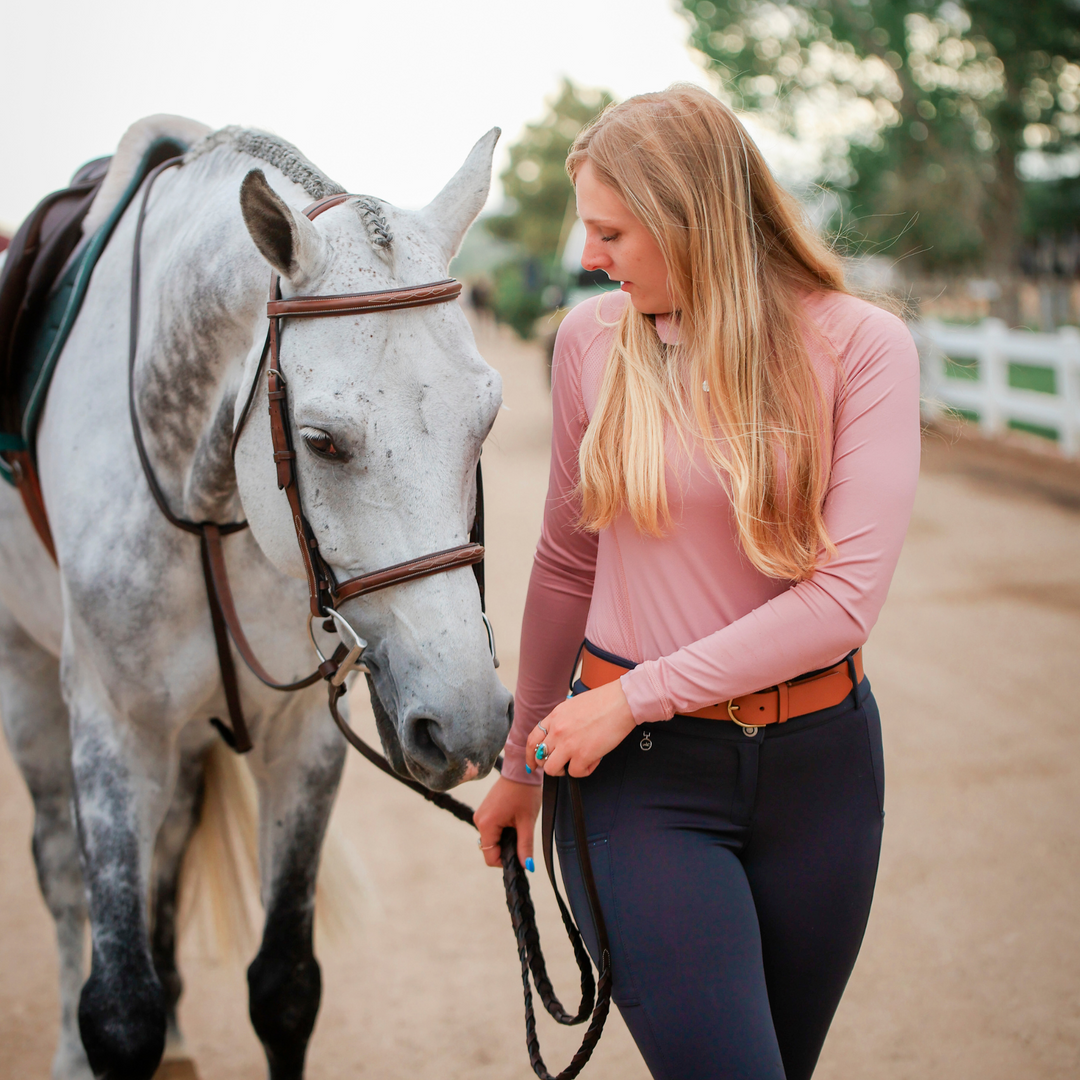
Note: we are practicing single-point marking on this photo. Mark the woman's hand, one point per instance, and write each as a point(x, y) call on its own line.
point(508, 805)
point(581, 731)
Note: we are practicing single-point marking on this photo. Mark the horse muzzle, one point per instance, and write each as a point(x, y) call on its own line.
point(439, 739)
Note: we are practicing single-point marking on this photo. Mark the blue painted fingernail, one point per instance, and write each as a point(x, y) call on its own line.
point(527, 769)
point(530, 865)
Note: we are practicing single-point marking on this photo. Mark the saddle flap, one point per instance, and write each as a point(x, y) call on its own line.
point(42, 284)
point(37, 254)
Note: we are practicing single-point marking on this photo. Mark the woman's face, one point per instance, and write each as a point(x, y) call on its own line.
point(620, 245)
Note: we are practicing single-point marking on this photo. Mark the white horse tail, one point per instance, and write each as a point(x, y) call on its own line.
point(220, 899)
point(219, 883)
point(342, 888)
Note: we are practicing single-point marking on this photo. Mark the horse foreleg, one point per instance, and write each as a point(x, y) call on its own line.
point(36, 726)
point(298, 769)
point(124, 773)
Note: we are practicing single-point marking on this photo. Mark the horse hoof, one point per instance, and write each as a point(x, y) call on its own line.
point(177, 1069)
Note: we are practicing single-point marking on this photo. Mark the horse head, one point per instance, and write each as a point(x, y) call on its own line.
point(388, 412)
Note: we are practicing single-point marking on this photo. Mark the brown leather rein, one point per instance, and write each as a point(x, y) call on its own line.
point(326, 593)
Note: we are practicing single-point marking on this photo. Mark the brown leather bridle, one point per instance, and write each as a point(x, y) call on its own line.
point(325, 592)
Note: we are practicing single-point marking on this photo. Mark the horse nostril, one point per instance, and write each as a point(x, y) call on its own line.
point(510, 715)
point(425, 740)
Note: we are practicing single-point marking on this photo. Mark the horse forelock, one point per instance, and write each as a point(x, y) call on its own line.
point(371, 214)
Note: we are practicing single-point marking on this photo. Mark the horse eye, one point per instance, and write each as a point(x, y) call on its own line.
point(322, 445)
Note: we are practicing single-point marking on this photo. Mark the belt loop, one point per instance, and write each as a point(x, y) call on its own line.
point(850, 658)
point(573, 670)
point(782, 702)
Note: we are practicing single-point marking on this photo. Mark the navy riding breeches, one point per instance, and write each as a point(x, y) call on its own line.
point(735, 875)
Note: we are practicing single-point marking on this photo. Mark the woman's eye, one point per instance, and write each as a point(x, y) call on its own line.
point(322, 445)
point(608, 239)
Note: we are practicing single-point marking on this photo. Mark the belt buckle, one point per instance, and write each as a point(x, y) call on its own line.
point(749, 730)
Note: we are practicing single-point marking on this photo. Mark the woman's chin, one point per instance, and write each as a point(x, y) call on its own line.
point(647, 305)
point(653, 308)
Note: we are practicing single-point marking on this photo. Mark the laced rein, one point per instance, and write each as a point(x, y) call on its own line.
point(326, 593)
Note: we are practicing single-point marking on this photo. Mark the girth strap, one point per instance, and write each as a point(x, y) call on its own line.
point(26, 480)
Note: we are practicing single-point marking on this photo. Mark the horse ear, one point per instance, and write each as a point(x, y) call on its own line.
point(287, 240)
point(454, 209)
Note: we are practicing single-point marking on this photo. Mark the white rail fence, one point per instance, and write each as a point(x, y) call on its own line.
point(990, 352)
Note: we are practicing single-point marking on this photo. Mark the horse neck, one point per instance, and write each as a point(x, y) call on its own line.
point(202, 299)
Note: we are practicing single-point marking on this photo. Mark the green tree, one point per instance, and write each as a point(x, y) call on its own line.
point(535, 181)
point(925, 106)
point(541, 206)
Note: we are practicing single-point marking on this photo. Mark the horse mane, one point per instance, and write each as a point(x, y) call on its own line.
point(282, 155)
point(285, 157)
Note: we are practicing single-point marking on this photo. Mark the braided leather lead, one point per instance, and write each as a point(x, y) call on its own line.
point(523, 919)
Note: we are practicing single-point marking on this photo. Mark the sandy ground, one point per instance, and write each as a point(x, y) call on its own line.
point(971, 965)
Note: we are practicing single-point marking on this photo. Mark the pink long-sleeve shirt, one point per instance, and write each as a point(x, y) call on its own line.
point(701, 622)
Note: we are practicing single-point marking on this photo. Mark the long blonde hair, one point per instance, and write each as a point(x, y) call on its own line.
point(740, 258)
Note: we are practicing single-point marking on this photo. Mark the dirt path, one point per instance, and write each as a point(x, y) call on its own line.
point(971, 966)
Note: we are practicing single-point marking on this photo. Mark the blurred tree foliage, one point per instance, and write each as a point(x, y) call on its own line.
point(925, 107)
point(541, 206)
point(1051, 206)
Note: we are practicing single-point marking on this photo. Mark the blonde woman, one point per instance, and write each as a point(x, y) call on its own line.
point(734, 458)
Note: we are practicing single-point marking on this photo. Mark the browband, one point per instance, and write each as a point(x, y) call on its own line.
point(410, 296)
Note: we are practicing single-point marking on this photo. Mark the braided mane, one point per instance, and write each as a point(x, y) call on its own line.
point(285, 157)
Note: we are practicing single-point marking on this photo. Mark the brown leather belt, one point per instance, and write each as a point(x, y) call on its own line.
point(797, 697)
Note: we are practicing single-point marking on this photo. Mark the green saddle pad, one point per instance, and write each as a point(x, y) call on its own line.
point(34, 356)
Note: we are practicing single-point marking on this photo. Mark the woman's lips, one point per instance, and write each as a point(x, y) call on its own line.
point(625, 285)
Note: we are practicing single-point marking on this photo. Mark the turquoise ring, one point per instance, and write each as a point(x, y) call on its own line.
point(541, 751)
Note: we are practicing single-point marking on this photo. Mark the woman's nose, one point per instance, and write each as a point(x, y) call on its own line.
point(593, 257)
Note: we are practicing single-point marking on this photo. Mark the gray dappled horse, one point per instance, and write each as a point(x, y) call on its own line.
point(108, 669)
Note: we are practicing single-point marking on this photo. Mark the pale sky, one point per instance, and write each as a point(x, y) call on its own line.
point(385, 97)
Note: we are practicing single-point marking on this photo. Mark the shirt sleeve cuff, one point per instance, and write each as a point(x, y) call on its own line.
point(646, 700)
point(514, 766)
